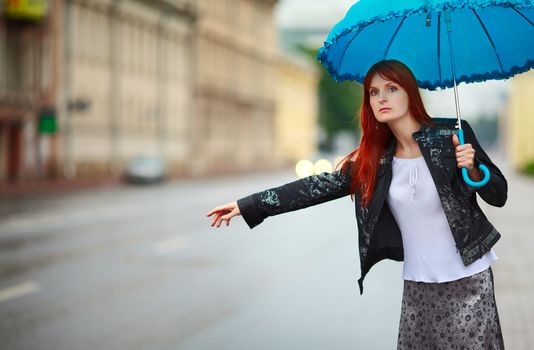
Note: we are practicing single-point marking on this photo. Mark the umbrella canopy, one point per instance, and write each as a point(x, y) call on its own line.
point(491, 39)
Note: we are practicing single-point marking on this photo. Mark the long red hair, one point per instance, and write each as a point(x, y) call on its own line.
point(376, 136)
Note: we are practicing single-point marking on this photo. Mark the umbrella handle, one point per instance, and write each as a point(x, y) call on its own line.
point(482, 168)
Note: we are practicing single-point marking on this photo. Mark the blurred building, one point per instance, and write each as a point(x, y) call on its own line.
point(29, 51)
point(234, 95)
point(297, 110)
point(127, 66)
point(520, 133)
point(86, 85)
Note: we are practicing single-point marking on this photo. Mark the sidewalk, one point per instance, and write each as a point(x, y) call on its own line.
point(36, 187)
point(514, 280)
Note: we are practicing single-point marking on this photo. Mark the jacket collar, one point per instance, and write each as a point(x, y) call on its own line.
point(423, 131)
point(421, 134)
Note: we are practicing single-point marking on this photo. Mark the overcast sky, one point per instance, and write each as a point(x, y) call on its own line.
point(311, 13)
point(475, 99)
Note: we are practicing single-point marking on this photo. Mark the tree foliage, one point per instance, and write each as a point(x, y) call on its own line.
point(339, 103)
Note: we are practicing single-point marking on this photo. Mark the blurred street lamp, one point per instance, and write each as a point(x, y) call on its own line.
point(322, 165)
point(304, 168)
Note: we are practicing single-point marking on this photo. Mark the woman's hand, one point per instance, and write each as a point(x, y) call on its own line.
point(224, 212)
point(465, 154)
point(465, 158)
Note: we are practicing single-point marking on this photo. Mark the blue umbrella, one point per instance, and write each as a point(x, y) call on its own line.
point(443, 42)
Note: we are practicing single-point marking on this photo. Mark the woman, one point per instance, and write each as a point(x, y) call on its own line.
point(412, 205)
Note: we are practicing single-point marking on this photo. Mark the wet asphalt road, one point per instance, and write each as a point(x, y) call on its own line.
point(141, 268)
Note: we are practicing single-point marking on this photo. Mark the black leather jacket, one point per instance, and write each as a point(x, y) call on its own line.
point(379, 235)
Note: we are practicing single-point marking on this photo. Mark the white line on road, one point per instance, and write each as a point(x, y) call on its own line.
point(18, 290)
point(170, 246)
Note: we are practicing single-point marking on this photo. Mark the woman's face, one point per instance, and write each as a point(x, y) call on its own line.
point(389, 101)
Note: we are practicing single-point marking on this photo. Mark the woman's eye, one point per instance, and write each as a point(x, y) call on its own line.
point(390, 89)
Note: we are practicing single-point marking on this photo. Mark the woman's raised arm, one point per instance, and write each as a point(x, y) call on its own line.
point(495, 192)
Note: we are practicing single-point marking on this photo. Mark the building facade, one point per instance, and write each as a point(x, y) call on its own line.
point(29, 75)
point(297, 110)
point(520, 126)
point(234, 91)
point(129, 63)
point(200, 83)
point(113, 75)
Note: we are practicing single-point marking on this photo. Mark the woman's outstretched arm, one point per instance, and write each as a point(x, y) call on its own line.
point(292, 196)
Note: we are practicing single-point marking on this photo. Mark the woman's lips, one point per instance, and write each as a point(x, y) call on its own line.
point(384, 109)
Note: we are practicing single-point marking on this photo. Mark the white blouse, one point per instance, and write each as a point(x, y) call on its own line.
point(430, 253)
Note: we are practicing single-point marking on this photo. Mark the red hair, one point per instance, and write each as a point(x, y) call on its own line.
point(376, 136)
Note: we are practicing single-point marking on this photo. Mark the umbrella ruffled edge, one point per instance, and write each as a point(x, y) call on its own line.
point(477, 78)
point(467, 79)
point(322, 53)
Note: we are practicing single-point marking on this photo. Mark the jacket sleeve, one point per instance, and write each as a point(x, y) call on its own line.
point(495, 192)
point(292, 196)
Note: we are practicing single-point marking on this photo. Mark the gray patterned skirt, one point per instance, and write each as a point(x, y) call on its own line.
point(460, 314)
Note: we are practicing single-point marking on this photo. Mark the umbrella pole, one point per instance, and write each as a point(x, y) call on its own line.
point(482, 167)
point(451, 54)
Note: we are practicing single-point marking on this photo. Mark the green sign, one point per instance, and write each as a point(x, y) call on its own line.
point(33, 10)
point(47, 122)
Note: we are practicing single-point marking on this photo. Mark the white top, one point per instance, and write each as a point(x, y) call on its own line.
point(430, 253)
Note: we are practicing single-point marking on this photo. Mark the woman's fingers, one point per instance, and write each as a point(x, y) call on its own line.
point(465, 156)
point(216, 209)
point(469, 165)
point(227, 207)
point(230, 215)
point(225, 218)
point(223, 212)
point(217, 219)
point(214, 221)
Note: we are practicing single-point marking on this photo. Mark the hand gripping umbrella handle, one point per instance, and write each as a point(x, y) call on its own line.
point(482, 168)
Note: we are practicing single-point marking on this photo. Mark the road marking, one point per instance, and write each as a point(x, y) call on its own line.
point(170, 246)
point(18, 290)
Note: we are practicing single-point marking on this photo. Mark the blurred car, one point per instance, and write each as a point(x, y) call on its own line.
point(145, 169)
